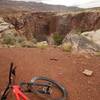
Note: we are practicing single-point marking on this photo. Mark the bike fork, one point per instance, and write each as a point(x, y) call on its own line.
point(18, 93)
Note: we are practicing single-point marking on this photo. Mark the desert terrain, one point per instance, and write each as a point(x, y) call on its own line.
point(67, 70)
point(54, 41)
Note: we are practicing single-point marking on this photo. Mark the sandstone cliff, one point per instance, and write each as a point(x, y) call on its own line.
point(42, 24)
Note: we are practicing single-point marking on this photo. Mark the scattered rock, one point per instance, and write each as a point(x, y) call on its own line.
point(54, 59)
point(87, 72)
point(42, 44)
point(28, 44)
point(60, 73)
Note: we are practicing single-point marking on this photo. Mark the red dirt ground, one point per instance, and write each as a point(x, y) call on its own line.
point(67, 70)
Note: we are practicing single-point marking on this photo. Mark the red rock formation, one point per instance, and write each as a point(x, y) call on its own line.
point(43, 24)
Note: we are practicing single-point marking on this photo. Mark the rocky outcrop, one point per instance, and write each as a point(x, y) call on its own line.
point(88, 42)
point(42, 24)
point(6, 28)
point(32, 25)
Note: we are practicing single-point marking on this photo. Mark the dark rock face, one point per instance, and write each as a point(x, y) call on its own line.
point(42, 24)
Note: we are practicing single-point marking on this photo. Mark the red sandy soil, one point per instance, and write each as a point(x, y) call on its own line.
point(67, 70)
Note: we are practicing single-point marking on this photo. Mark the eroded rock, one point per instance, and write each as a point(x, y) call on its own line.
point(86, 42)
point(6, 28)
point(43, 24)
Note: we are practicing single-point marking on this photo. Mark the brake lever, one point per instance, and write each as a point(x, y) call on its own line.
point(14, 71)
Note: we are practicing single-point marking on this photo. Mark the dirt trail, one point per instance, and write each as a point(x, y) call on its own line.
point(66, 69)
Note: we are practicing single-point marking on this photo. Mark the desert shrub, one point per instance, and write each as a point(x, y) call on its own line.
point(0, 22)
point(78, 31)
point(57, 38)
point(97, 53)
point(66, 47)
point(20, 39)
point(27, 44)
point(9, 39)
point(17, 41)
point(18, 45)
point(34, 40)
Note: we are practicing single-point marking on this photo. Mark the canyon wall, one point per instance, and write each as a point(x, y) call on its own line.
point(42, 24)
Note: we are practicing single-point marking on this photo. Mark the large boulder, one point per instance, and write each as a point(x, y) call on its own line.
point(93, 36)
point(88, 42)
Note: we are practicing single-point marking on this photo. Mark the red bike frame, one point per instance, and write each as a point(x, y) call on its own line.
point(18, 93)
point(15, 88)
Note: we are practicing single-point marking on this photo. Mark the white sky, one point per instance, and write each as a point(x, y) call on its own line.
point(80, 3)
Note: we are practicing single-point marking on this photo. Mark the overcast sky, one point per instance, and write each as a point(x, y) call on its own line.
point(80, 3)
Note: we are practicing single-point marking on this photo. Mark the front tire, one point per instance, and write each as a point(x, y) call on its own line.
point(57, 91)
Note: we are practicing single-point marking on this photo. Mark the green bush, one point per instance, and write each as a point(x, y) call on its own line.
point(57, 38)
point(20, 39)
point(9, 39)
point(34, 40)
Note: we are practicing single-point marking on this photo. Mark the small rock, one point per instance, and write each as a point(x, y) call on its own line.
point(87, 72)
point(42, 44)
point(60, 73)
point(54, 59)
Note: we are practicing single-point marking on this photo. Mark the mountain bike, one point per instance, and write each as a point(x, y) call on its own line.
point(45, 88)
